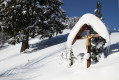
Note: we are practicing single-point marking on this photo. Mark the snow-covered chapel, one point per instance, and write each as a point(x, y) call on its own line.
point(86, 22)
point(94, 22)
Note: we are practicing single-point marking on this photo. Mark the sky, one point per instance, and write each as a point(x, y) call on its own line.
point(110, 10)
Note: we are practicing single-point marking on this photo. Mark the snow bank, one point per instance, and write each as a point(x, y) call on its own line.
point(92, 20)
point(87, 56)
point(46, 64)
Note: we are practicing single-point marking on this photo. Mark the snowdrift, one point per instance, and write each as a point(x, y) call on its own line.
point(94, 22)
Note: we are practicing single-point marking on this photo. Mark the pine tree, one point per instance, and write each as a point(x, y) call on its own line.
point(71, 58)
point(97, 44)
point(54, 17)
point(98, 10)
point(22, 19)
point(19, 21)
point(71, 21)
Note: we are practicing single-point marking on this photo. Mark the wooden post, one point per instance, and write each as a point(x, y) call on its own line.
point(88, 40)
point(88, 46)
point(79, 33)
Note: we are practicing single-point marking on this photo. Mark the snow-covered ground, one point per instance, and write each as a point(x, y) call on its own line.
point(43, 61)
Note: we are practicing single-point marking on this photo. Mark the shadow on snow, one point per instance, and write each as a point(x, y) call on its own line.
point(38, 46)
point(49, 42)
point(113, 49)
point(25, 68)
point(3, 47)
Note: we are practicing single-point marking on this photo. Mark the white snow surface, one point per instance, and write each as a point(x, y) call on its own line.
point(45, 60)
point(95, 23)
point(87, 56)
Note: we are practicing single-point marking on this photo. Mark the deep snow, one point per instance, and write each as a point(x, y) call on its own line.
point(43, 61)
point(94, 22)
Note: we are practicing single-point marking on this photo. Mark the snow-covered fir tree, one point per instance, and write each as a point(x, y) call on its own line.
point(71, 21)
point(97, 11)
point(97, 44)
point(22, 19)
point(52, 20)
point(18, 20)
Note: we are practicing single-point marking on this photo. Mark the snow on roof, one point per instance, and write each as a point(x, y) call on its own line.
point(94, 22)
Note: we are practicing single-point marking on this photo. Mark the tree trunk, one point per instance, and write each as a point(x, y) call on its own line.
point(25, 44)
